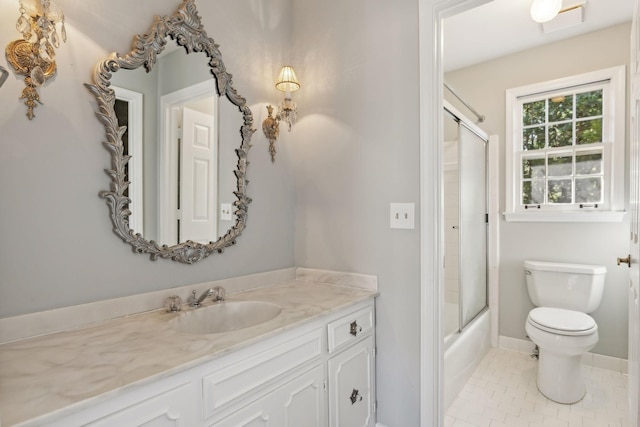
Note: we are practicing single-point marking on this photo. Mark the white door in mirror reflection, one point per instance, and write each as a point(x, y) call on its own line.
point(198, 214)
point(188, 189)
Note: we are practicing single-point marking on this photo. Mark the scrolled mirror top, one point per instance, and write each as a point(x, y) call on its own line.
point(185, 28)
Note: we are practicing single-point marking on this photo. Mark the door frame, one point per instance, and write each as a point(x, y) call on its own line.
point(134, 102)
point(430, 19)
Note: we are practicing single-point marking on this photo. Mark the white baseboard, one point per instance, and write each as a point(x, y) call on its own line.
point(595, 360)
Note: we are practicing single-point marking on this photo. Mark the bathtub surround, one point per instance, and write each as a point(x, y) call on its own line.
point(464, 354)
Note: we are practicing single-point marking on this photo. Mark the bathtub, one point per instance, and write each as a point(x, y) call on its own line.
point(463, 354)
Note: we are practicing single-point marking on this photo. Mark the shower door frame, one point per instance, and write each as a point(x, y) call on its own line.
point(463, 120)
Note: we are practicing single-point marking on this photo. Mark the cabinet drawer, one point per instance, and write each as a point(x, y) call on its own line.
point(239, 379)
point(349, 328)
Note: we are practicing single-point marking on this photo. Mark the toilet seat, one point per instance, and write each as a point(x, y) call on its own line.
point(562, 322)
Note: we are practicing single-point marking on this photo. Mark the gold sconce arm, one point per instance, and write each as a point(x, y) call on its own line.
point(287, 111)
point(271, 129)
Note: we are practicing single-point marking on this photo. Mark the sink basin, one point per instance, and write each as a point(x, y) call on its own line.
point(224, 317)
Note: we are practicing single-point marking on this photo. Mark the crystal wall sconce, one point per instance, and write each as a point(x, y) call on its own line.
point(33, 56)
point(287, 110)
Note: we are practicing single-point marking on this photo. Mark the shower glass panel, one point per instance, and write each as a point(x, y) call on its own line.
point(473, 225)
point(451, 317)
point(465, 208)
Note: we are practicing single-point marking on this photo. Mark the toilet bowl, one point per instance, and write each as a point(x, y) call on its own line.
point(560, 325)
point(562, 336)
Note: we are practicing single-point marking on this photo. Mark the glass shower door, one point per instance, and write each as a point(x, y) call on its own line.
point(473, 224)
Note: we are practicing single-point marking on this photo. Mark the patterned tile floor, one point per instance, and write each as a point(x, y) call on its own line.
point(502, 392)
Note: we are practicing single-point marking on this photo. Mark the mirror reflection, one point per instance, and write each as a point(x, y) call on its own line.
point(179, 135)
point(181, 138)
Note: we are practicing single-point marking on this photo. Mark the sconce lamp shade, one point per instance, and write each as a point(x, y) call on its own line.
point(287, 80)
point(545, 10)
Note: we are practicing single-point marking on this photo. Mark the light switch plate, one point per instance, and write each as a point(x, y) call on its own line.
point(402, 215)
point(225, 212)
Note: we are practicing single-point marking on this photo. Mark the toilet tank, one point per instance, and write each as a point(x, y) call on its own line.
point(571, 286)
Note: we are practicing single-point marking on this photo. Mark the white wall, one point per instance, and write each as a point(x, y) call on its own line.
point(357, 150)
point(57, 247)
point(483, 86)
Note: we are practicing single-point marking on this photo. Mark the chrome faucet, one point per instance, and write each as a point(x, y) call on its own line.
point(197, 301)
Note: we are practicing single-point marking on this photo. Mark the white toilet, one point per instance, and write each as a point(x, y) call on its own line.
point(560, 325)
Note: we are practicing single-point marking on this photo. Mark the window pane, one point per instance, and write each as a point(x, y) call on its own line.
point(561, 135)
point(561, 165)
point(560, 191)
point(588, 163)
point(533, 168)
point(533, 113)
point(589, 104)
point(533, 192)
point(589, 131)
point(589, 190)
point(561, 108)
point(533, 138)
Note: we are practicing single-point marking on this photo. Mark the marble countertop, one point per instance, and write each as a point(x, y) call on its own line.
point(78, 368)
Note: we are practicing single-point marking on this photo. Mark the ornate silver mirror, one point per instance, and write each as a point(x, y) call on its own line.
point(178, 151)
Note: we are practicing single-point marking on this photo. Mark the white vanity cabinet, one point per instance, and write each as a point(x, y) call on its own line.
point(351, 369)
point(336, 390)
point(318, 374)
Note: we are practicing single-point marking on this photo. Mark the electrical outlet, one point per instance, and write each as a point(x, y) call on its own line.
point(402, 215)
point(225, 212)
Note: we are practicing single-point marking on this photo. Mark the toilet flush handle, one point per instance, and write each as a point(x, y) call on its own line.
point(626, 260)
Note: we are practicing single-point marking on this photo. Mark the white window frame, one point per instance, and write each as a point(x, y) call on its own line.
point(614, 113)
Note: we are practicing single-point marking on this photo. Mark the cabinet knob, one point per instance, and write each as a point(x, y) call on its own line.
point(355, 328)
point(355, 396)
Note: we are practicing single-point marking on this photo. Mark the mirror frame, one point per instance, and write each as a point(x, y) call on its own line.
point(185, 28)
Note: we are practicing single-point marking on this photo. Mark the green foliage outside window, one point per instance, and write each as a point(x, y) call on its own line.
point(573, 176)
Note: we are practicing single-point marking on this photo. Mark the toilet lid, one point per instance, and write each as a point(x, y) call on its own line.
point(561, 321)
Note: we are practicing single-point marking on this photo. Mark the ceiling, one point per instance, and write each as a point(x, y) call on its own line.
point(502, 27)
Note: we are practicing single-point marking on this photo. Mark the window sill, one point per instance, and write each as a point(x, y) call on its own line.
point(602, 216)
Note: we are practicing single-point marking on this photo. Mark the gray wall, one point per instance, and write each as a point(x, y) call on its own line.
point(57, 247)
point(357, 150)
point(484, 87)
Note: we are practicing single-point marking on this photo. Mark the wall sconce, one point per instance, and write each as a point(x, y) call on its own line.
point(34, 55)
point(287, 110)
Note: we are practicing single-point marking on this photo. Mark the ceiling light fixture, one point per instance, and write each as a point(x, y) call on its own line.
point(545, 10)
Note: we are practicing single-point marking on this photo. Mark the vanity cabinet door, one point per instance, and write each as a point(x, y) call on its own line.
point(303, 400)
point(159, 405)
point(298, 403)
point(351, 389)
